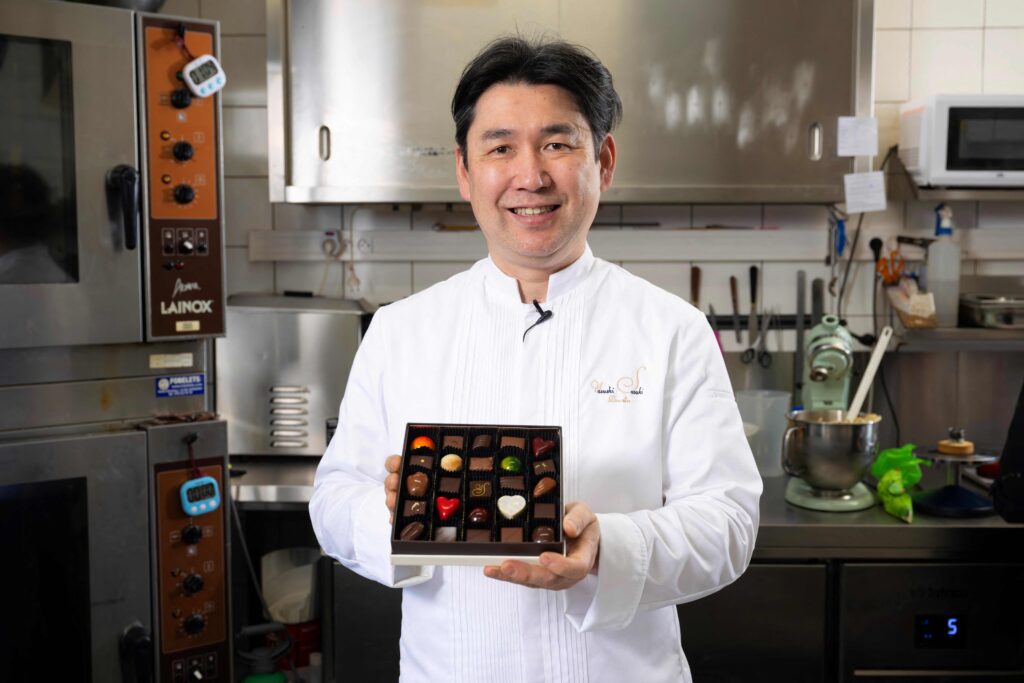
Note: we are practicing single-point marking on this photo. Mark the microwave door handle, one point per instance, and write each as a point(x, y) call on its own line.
point(137, 654)
point(123, 180)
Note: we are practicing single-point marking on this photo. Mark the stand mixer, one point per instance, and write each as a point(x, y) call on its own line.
point(826, 456)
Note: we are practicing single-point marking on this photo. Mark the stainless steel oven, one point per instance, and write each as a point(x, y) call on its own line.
point(111, 215)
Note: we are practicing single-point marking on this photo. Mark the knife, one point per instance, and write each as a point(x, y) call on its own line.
point(817, 300)
point(734, 291)
point(752, 321)
point(713, 319)
point(695, 286)
point(798, 356)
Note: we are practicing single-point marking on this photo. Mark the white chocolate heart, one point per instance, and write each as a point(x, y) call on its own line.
point(510, 506)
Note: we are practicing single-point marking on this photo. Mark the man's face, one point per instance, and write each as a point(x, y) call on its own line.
point(532, 178)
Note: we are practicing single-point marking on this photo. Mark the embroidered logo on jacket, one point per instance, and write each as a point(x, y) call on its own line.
point(625, 390)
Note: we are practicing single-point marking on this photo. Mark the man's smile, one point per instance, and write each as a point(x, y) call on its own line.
point(533, 210)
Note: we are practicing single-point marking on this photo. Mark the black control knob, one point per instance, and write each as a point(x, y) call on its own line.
point(183, 194)
point(182, 151)
point(181, 98)
point(186, 246)
point(191, 534)
point(194, 623)
point(193, 583)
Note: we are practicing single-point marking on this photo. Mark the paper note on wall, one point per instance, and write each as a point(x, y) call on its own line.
point(857, 135)
point(864, 191)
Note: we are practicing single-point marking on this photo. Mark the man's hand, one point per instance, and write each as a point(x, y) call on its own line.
point(556, 572)
point(392, 465)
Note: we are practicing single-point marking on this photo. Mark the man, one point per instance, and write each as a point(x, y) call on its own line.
point(664, 487)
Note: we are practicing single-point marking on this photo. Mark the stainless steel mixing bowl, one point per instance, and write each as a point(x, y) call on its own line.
point(825, 452)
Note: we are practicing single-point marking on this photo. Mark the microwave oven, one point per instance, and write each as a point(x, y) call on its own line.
point(111, 201)
point(964, 140)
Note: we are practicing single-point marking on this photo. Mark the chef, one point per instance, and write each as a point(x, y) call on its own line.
point(664, 487)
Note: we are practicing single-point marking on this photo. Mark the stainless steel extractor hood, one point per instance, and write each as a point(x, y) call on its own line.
point(726, 101)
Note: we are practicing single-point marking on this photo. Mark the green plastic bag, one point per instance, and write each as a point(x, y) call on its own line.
point(897, 470)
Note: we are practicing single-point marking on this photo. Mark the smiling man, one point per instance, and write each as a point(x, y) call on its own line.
point(663, 488)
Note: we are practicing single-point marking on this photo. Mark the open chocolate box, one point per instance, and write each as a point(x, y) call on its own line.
point(478, 494)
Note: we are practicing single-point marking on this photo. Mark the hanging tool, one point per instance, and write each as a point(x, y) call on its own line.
point(735, 294)
point(752, 320)
point(890, 268)
point(695, 286)
point(817, 301)
point(798, 356)
point(713, 319)
point(758, 348)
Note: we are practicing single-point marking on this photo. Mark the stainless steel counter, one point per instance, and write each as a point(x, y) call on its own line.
point(786, 532)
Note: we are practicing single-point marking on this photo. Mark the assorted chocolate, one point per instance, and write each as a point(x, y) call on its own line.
point(502, 489)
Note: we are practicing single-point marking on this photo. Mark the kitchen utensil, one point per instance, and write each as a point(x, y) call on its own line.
point(766, 411)
point(758, 349)
point(817, 300)
point(869, 373)
point(827, 370)
point(890, 269)
point(734, 293)
point(829, 457)
point(713, 319)
point(798, 355)
point(752, 321)
point(695, 286)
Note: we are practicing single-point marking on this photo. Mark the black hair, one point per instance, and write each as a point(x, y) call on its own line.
point(518, 60)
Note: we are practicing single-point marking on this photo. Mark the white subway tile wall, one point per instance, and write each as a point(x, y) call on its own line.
point(922, 47)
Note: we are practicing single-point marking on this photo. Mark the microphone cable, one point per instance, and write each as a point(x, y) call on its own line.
point(544, 315)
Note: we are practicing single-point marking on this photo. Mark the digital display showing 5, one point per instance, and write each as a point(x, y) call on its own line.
point(939, 631)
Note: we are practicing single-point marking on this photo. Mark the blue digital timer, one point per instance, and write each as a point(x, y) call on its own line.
point(939, 631)
point(199, 496)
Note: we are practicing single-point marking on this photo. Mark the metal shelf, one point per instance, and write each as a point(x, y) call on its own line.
point(961, 339)
point(900, 186)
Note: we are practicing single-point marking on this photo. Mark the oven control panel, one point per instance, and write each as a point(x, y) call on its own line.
point(191, 578)
point(184, 245)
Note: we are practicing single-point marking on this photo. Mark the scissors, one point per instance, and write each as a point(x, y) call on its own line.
point(891, 268)
point(764, 358)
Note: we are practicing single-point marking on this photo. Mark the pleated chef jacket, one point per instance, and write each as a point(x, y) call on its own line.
point(662, 459)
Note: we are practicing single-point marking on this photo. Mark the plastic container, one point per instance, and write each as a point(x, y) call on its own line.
point(944, 269)
point(767, 410)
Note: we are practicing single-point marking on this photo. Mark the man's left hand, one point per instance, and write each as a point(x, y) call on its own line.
point(557, 572)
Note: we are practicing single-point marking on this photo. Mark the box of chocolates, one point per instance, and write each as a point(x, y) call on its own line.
point(478, 494)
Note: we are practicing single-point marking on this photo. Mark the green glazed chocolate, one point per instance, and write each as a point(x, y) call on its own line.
point(511, 463)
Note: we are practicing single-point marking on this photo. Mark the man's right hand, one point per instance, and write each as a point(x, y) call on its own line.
point(392, 465)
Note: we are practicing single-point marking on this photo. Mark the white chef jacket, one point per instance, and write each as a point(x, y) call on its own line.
point(661, 458)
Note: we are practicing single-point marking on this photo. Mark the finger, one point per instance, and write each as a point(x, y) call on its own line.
point(530, 575)
point(577, 518)
point(393, 463)
point(391, 482)
point(391, 498)
point(574, 567)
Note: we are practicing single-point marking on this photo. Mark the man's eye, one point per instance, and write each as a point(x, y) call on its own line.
point(501, 149)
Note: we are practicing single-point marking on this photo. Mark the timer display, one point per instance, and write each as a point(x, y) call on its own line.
point(939, 631)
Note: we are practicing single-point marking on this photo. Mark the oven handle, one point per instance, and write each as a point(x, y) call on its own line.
point(124, 181)
point(137, 654)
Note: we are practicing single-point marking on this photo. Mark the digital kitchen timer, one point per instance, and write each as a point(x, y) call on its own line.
point(204, 75)
point(199, 496)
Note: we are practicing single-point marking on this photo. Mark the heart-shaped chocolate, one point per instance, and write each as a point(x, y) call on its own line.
point(446, 506)
point(541, 446)
point(511, 506)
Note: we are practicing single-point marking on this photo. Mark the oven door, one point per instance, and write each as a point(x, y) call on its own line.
point(69, 260)
point(74, 521)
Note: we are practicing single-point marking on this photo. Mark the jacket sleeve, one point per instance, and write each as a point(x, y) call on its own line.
point(702, 537)
point(348, 508)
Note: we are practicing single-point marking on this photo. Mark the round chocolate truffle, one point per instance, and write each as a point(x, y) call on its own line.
point(479, 516)
point(423, 442)
point(451, 463)
point(511, 463)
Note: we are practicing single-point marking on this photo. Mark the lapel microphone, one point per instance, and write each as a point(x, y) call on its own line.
point(544, 315)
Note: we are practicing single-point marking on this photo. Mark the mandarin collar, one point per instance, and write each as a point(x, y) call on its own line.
point(504, 289)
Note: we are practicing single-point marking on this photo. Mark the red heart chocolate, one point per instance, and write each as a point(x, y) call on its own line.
point(446, 506)
point(541, 446)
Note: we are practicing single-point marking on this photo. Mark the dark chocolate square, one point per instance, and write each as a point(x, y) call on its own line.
point(478, 536)
point(449, 484)
point(481, 441)
point(424, 461)
point(479, 489)
point(445, 534)
point(512, 534)
point(481, 464)
point(414, 508)
point(513, 442)
point(544, 511)
point(453, 442)
point(513, 483)
point(542, 467)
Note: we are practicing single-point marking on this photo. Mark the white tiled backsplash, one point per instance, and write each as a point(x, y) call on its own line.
point(921, 47)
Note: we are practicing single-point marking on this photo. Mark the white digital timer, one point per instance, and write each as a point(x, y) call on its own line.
point(204, 75)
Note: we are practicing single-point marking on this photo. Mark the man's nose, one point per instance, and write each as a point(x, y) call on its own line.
point(531, 171)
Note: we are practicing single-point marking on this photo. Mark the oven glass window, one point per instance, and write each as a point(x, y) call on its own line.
point(38, 226)
point(46, 632)
point(985, 138)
